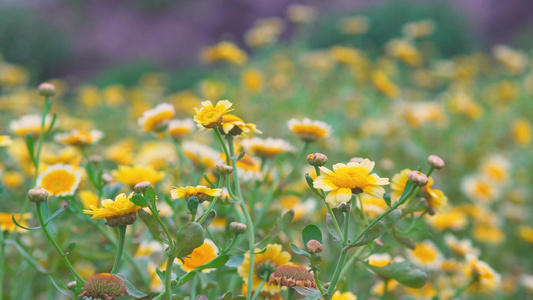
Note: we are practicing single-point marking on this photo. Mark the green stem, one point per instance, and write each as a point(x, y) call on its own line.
point(385, 287)
point(51, 239)
point(168, 278)
point(298, 161)
point(213, 202)
point(226, 250)
point(165, 229)
point(194, 287)
point(258, 289)
point(181, 154)
point(121, 239)
point(221, 140)
point(332, 215)
point(363, 213)
point(2, 264)
point(319, 286)
point(352, 260)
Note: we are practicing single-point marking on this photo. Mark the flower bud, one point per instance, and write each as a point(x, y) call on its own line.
point(418, 179)
point(104, 286)
point(237, 228)
point(38, 195)
point(223, 169)
point(47, 89)
point(107, 177)
point(317, 159)
point(72, 285)
point(436, 162)
point(314, 246)
point(141, 187)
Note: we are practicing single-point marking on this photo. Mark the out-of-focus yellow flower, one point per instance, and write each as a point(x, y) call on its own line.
point(485, 280)
point(398, 183)
point(404, 51)
point(121, 206)
point(185, 101)
point(233, 125)
point(299, 13)
point(147, 248)
point(131, 175)
point(309, 130)
point(249, 167)
point(11, 76)
point(379, 259)
point(454, 220)
point(379, 287)
point(114, 94)
point(210, 116)
point(88, 198)
point(347, 55)
point(30, 124)
point(515, 61)
point(521, 130)
point(264, 32)
point(7, 224)
point(420, 29)
point(224, 51)
point(460, 247)
point(461, 103)
point(253, 80)
point(496, 168)
point(426, 255)
point(346, 179)
point(383, 84)
point(373, 206)
point(425, 292)
point(85, 268)
point(436, 198)
point(343, 296)
point(301, 208)
point(202, 155)
point(525, 233)
point(201, 192)
point(66, 155)
point(201, 255)
point(156, 119)
point(212, 89)
point(5, 140)
point(121, 152)
point(480, 189)
point(268, 260)
point(317, 60)
point(89, 96)
point(179, 128)
point(59, 180)
point(488, 234)
point(354, 25)
point(79, 137)
point(156, 154)
point(12, 180)
point(268, 147)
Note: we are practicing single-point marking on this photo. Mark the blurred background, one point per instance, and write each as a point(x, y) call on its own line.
point(113, 41)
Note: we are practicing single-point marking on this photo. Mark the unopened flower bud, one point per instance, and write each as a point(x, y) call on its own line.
point(314, 246)
point(317, 159)
point(436, 162)
point(237, 228)
point(223, 169)
point(418, 179)
point(107, 177)
point(72, 285)
point(47, 89)
point(38, 195)
point(141, 187)
point(104, 286)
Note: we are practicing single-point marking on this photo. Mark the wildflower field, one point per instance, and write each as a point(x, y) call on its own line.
point(285, 172)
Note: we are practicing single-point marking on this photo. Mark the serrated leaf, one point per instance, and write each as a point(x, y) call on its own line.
point(209, 219)
point(330, 223)
point(235, 261)
point(189, 237)
point(27, 257)
point(378, 229)
point(151, 223)
point(404, 272)
point(299, 251)
point(311, 232)
point(139, 200)
point(132, 290)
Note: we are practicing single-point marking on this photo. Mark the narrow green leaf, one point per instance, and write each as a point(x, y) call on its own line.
point(378, 229)
point(299, 251)
point(132, 290)
point(150, 194)
point(209, 181)
point(28, 257)
point(311, 232)
point(406, 190)
point(330, 223)
point(56, 213)
point(30, 145)
point(216, 263)
point(54, 118)
point(62, 291)
point(387, 199)
point(309, 181)
point(23, 227)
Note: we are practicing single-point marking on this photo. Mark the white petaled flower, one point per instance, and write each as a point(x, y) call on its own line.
point(496, 168)
point(79, 137)
point(309, 130)
point(526, 280)
point(59, 180)
point(30, 124)
point(179, 128)
point(268, 147)
point(201, 154)
point(157, 118)
point(379, 259)
point(480, 189)
point(460, 247)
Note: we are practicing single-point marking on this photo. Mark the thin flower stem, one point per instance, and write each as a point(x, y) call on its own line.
point(213, 202)
point(51, 239)
point(169, 237)
point(363, 213)
point(352, 260)
point(221, 140)
point(336, 275)
point(181, 154)
point(194, 287)
point(332, 215)
point(318, 285)
point(298, 161)
point(258, 289)
point(2, 263)
point(121, 240)
point(168, 278)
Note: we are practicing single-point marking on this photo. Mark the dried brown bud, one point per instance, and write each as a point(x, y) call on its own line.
point(119, 221)
point(223, 169)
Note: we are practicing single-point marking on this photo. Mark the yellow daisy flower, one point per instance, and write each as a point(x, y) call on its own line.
point(233, 125)
point(224, 51)
point(488, 281)
point(179, 128)
point(378, 288)
point(426, 255)
point(201, 255)
point(147, 248)
point(480, 189)
point(525, 233)
point(379, 259)
point(7, 224)
point(79, 137)
point(157, 118)
point(425, 292)
point(88, 198)
point(268, 260)
point(496, 168)
point(460, 247)
point(309, 130)
point(347, 179)
point(201, 192)
point(12, 179)
point(201, 155)
point(383, 84)
point(133, 175)
point(436, 198)
point(398, 182)
point(454, 220)
point(521, 131)
point(210, 116)
point(343, 296)
point(5, 140)
point(30, 124)
point(121, 152)
point(119, 212)
point(267, 148)
point(59, 180)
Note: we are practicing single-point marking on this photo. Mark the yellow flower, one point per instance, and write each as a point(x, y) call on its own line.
point(59, 180)
point(88, 198)
point(5, 140)
point(179, 128)
point(234, 125)
point(7, 224)
point(146, 248)
point(253, 80)
point(133, 175)
point(201, 255)
point(373, 206)
point(301, 208)
point(264, 32)
point(185, 101)
point(85, 269)
point(30, 124)
point(426, 255)
point(210, 116)
point(299, 13)
point(486, 281)
point(383, 84)
point(309, 130)
point(521, 130)
point(89, 96)
point(157, 118)
point(65, 155)
point(354, 25)
point(515, 61)
point(347, 55)
point(488, 234)
point(418, 29)
point(479, 189)
point(121, 206)
point(425, 292)
point(201, 155)
point(249, 167)
point(345, 180)
point(454, 220)
point(378, 288)
point(460, 247)
point(79, 137)
point(224, 51)
point(268, 260)
point(267, 148)
point(398, 183)
point(436, 198)
point(114, 94)
point(343, 296)
point(525, 233)
point(12, 180)
point(121, 152)
point(404, 51)
point(201, 192)
point(496, 168)
point(379, 259)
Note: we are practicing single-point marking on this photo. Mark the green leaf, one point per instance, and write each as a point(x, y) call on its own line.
point(237, 157)
point(57, 213)
point(139, 200)
point(209, 181)
point(62, 291)
point(235, 261)
point(209, 219)
point(407, 242)
point(299, 251)
point(311, 232)
point(23, 227)
point(132, 291)
point(189, 237)
point(330, 223)
point(226, 296)
point(404, 272)
point(150, 194)
point(27, 257)
point(161, 274)
point(216, 263)
point(386, 197)
point(30, 145)
point(151, 223)
point(111, 191)
point(406, 191)
point(187, 277)
point(54, 118)
point(309, 181)
point(378, 229)
point(308, 293)
point(71, 247)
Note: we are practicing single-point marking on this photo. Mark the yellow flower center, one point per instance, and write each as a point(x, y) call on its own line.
point(158, 119)
point(482, 189)
point(352, 178)
point(425, 253)
point(58, 181)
